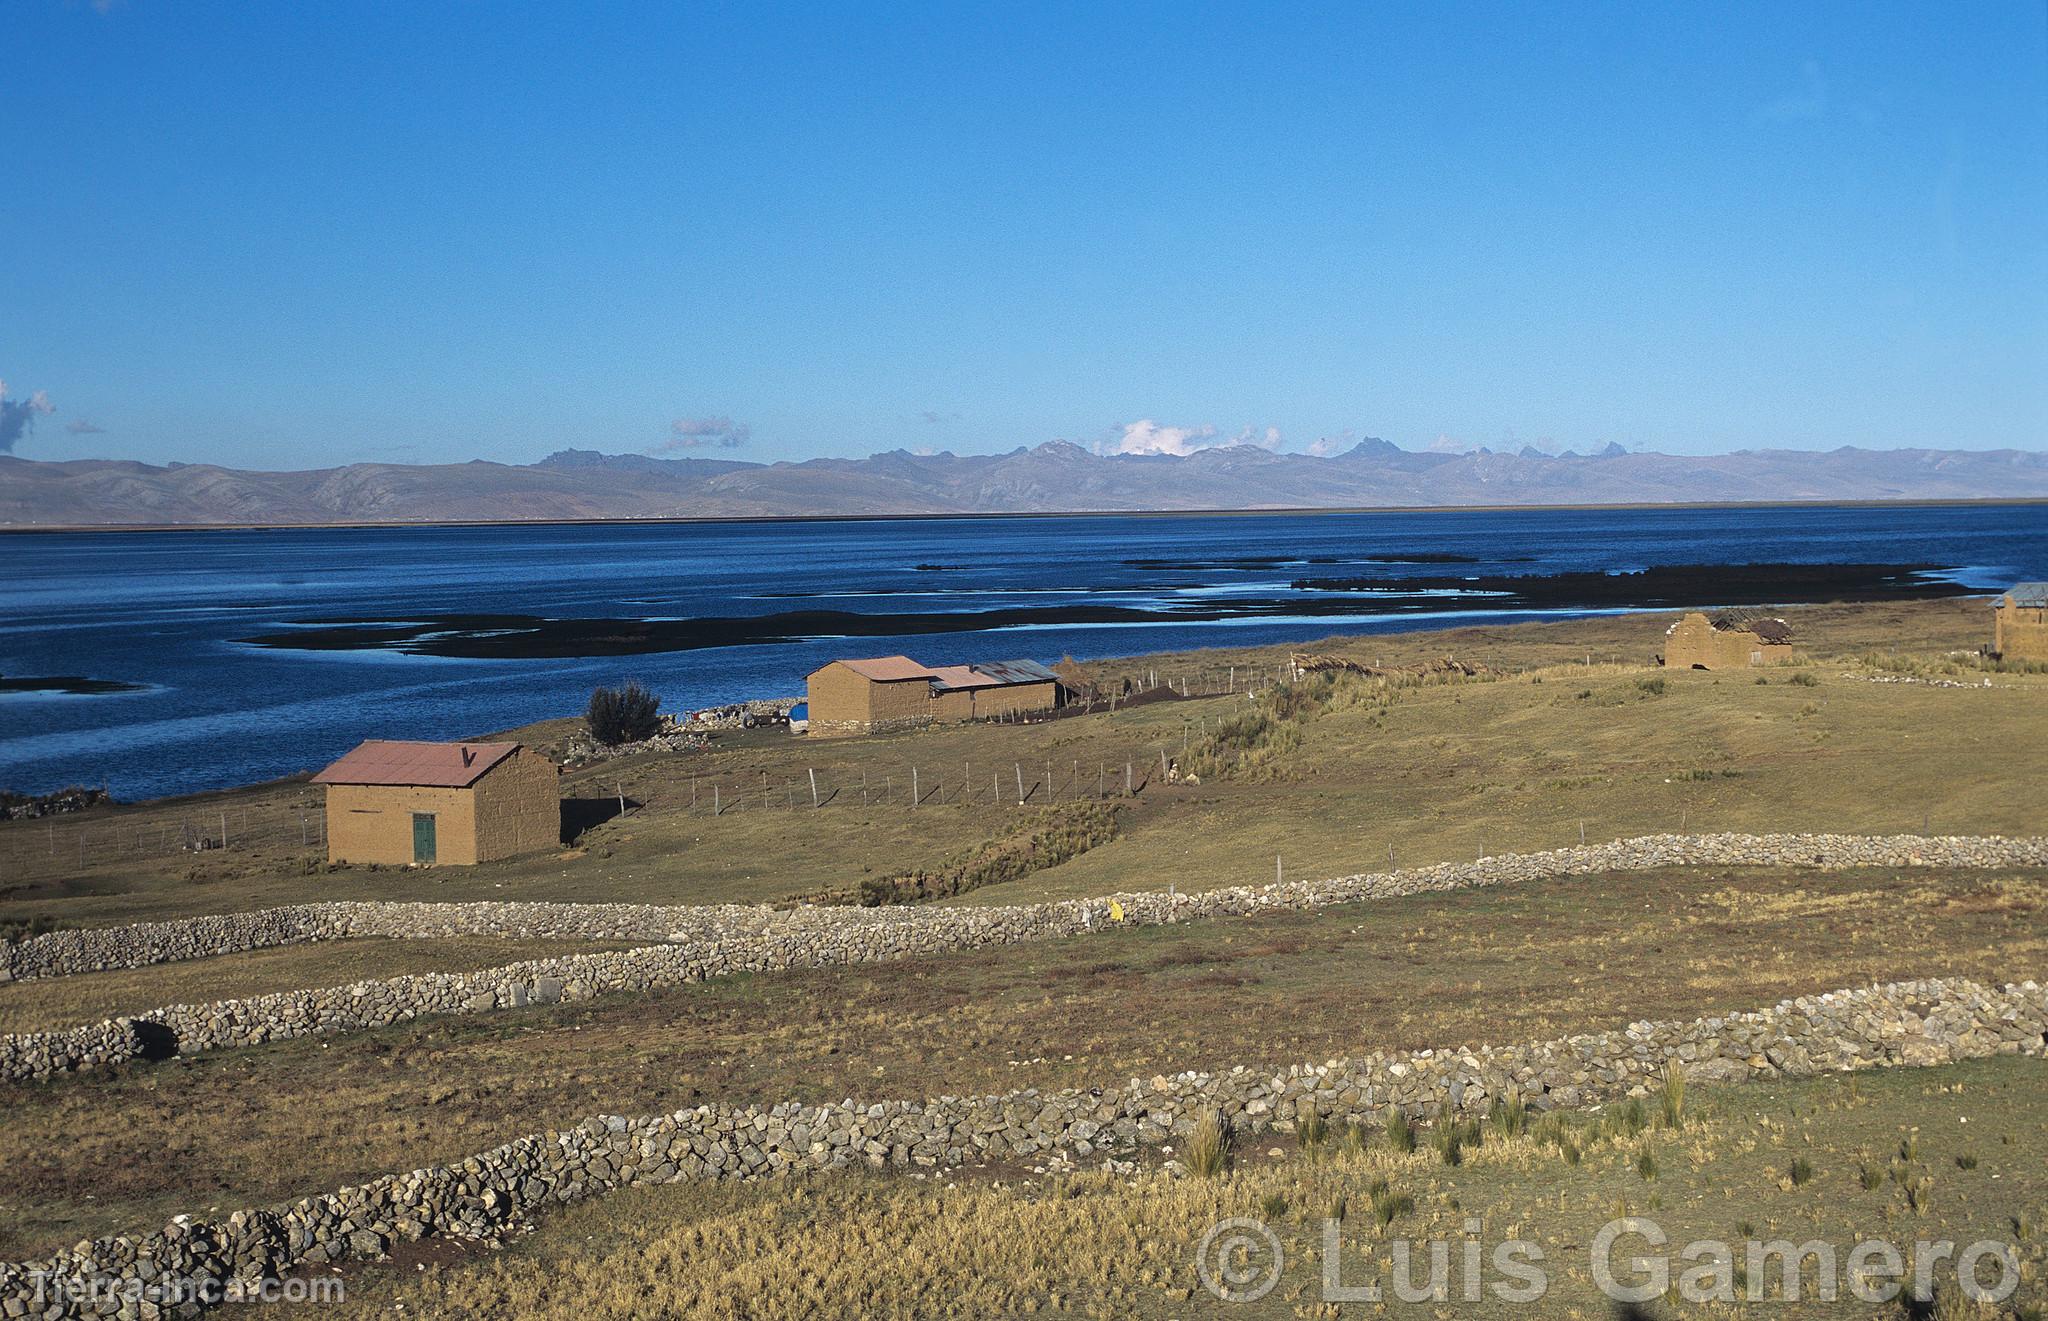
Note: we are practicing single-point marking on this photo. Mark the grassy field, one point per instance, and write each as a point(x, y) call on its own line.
point(132, 1146)
point(1574, 732)
point(1901, 1155)
point(46, 1004)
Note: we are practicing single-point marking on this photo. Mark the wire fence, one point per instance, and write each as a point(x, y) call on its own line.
point(65, 844)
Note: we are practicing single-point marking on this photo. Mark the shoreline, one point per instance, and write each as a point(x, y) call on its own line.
point(31, 529)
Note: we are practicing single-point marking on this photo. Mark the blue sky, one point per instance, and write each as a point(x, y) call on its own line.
point(294, 235)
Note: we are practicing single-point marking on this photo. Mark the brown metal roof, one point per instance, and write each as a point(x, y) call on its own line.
point(437, 765)
point(888, 669)
point(963, 676)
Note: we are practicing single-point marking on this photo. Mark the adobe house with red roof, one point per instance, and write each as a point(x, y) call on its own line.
point(432, 804)
point(885, 694)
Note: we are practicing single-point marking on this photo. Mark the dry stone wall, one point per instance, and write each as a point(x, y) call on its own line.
point(477, 1199)
point(703, 942)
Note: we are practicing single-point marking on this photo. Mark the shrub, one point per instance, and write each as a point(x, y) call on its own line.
point(1048, 838)
point(1805, 679)
point(14, 930)
point(1653, 687)
point(1510, 1115)
point(1400, 1134)
point(1451, 1138)
point(1388, 1205)
point(622, 715)
point(1209, 1145)
point(1871, 1177)
point(1672, 1099)
point(1646, 1165)
point(1966, 1161)
point(1272, 1206)
point(1357, 1138)
point(1311, 1128)
point(1627, 1119)
point(1800, 1172)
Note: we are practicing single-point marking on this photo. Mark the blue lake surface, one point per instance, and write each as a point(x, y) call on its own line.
point(169, 610)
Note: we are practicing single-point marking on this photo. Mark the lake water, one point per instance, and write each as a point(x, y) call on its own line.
point(172, 612)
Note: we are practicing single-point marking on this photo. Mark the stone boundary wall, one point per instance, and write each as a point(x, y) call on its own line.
point(704, 942)
point(103, 949)
point(477, 1199)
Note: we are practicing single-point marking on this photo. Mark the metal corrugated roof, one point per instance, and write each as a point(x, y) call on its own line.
point(436, 765)
point(1017, 671)
point(888, 669)
point(955, 677)
point(2034, 596)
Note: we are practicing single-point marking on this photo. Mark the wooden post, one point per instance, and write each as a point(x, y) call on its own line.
point(814, 785)
point(1582, 834)
point(1128, 780)
point(1020, 784)
point(223, 829)
point(716, 808)
point(1233, 678)
point(1279, 871)
point(622, 797)
point(1048, 782)
point(913, 786)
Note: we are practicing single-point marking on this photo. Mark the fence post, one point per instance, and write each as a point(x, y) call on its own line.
point(913, 786)
point(1020, 784)
point(814, 784)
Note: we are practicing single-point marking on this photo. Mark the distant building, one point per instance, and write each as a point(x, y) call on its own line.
point(1727, 642)
point(440, 803)
point(2019, 623)
point(886, 694)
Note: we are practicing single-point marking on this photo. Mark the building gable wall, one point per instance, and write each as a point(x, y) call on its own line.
point(517, 807)
point(2018, 633)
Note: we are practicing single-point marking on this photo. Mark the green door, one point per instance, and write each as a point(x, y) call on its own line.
point(423, 837)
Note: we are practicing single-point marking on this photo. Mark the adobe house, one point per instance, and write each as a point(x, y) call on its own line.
point(2019, 623)
point(1727, 642)
point(440, 803)
point(886, 694)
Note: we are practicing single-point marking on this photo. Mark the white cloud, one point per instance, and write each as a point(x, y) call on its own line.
point(695, 433)
point(18, 417)
point(1146, 436)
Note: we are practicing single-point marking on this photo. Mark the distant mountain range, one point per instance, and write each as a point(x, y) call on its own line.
point(1057, 476)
